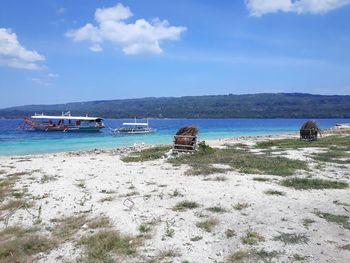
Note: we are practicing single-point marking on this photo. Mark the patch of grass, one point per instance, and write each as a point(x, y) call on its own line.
point(147, 154)
point(102, 245)
point(100, 222)
point(240, 206)
point(7, 184)
point(176, 193)
point(274, 192)
point(46, 178)
point(208, 224)
point(145, 228)
point(337, 202)
point(333, 156)
point(132, 193)
point(307, 222)
point(106, 199)
point(298, 257)
point(297, 144)
point(196, 238)
point(307, 183)
point(81, 184)
point(247, 256)
point(261, 179)
point(252, 238)
point(345, 247)
point(230, 233)
point(67, 227)
point(216, 179)
point(291, 238)
point(341, 220)
point(19, 244)
point(185, 205)
point(216, 209)
point(238, 159)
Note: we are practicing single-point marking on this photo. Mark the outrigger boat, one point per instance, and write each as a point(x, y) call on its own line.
point(133, 128)
point(64, 123)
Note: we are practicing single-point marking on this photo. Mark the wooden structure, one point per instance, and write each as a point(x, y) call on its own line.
point(185, 139)
point(309, 131)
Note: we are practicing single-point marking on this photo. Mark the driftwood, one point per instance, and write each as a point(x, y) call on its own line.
point(186, 139)
point(309, 131)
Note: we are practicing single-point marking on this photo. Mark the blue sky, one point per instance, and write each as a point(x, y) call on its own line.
point(65, 51)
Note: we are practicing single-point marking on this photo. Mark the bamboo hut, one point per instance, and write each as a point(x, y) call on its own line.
point(185, 139)
point(309, 131)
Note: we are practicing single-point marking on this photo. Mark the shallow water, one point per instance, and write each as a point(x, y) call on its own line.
point(13, 142)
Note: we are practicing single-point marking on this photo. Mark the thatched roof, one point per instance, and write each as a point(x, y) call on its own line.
point(188, 131)
point(310, 125)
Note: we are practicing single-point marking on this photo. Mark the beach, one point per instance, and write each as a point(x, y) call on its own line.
point(166, 212)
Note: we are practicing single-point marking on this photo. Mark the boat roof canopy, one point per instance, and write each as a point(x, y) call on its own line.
point(135, 123)
point(81, 118)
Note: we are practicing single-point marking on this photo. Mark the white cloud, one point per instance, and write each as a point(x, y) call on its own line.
point(13, 54)
point(61, 10)
point(53, 75)
point(262, 7)
point(140, 37)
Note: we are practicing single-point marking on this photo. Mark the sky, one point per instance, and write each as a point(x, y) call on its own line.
point(55, 51)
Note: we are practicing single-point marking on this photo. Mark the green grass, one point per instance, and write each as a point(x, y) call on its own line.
point(185, 205)
point(295, 143)
point(252, 238)
point(216, 209)
point(274, 192)
point(196, 238)
point(291, 238)
point(238, 159)
point(147, 154)
point(261, 179)
point(240, 206)
point(341, 220)
point(298, 257)
point(102, 245)
point(208, 224)
point(250, 256)
point(19, 244)
point(333, 156)
point(306, 183)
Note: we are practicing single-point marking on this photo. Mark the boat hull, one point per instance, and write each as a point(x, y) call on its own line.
point(66, 129)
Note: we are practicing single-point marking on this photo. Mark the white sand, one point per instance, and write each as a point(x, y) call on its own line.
point(104, 174)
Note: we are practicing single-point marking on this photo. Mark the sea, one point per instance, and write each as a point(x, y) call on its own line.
point(17, 142)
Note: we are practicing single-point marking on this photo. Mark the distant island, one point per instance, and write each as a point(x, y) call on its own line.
point(264, 105)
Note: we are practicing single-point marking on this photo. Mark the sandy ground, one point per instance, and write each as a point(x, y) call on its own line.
point(53, 182)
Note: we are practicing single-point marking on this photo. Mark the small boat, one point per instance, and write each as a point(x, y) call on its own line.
point(64, 123)
point(343, 125)
point(133, 128)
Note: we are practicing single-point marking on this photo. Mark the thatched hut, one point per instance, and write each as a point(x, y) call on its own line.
point(309, 131)
point(186, 139)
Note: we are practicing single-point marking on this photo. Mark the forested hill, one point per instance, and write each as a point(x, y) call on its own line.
point(280, 105)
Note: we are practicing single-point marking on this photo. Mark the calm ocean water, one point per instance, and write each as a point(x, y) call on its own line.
point(13, 142)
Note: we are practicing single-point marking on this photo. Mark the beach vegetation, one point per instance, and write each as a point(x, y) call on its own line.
point(205, 148)
point(252, 238)
point(274, 192)
point(309, 183)
point(185, 205)
point(149, 154)
point(208, 224)
point(240, 206)
point(216, 209)
point(334, 155)
point(67, 227)
point(99, 222)
point(218, 178)
point(291, 238)
point(107, 199)
point(297, 257)
point(19, 244)
point(342, 220)
point(261, 179)
point(230, 233)
point(176, 193)
point(238, 159)
point(345, 247)
point(103, 245)
point(252, 255)
point(307, 222)
point(196, 238)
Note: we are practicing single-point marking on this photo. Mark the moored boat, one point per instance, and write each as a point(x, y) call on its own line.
point(133, 128)
point(64, 123)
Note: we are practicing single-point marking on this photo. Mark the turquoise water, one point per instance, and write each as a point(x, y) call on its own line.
point(13, 142)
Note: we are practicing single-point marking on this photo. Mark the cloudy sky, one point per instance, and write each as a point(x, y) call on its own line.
point(55, 51)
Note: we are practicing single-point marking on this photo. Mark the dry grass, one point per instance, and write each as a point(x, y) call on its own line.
point(252, 238)
point(106, 245)
point(101, 222)
point(208, 224)
point(19, 244)
point(306, 183)
point(185, 205)
point(67, 227)
point(291, 238)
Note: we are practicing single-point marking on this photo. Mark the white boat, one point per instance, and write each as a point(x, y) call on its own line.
point(133, 128)
point(64, 123)
point(343, 125)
